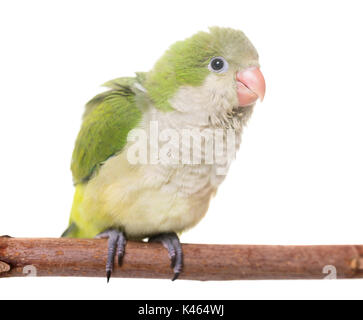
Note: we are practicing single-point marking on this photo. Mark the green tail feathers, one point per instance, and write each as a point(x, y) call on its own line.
point(71, 231)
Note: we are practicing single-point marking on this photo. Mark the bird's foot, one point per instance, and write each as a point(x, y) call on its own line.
point(116, 246)
point(171, 242)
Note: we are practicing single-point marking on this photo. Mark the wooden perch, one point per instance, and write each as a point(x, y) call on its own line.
point(87, 258)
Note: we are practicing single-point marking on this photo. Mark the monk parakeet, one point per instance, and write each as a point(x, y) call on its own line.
point(209, 81)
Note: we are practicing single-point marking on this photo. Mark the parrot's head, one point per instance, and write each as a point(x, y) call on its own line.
point(219, 68)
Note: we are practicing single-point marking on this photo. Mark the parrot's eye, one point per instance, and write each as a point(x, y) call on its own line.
point(218, 64)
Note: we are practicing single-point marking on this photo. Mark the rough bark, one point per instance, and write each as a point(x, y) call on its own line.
point(87, 258)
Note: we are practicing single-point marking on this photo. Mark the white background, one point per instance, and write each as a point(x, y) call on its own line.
point(298, 178)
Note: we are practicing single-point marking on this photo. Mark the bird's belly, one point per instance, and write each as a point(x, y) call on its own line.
point(144, 200)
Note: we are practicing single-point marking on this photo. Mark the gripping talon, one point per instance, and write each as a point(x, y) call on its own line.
point(116, 245)
point(171, 242)
point(121, 243)
point(173, 261)
point(178, 267)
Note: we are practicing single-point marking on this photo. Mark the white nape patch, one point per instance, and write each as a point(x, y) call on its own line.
point(140, 87)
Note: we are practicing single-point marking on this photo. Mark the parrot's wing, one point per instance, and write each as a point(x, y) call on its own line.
point(108, 119)
point(124, 85)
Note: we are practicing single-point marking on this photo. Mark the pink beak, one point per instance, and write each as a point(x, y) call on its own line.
point(251, 86)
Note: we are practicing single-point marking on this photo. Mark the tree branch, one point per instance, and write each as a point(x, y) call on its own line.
point(87, 258)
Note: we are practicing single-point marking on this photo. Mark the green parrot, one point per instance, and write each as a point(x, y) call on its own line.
point(207, 83)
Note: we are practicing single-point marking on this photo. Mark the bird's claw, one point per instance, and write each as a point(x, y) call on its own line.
point(116, 246)
point(171, 242)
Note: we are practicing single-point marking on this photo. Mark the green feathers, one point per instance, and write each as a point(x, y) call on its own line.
point(108, 119)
